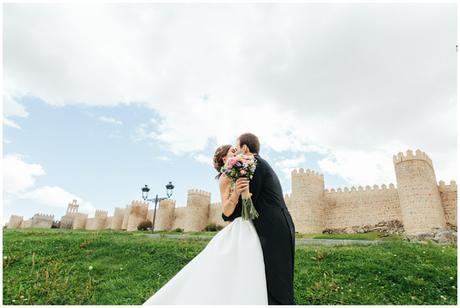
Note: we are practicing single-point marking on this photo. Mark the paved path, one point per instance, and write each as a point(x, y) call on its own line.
point(326, 242)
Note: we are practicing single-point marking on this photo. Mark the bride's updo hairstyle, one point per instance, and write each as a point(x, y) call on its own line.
point(219, 155)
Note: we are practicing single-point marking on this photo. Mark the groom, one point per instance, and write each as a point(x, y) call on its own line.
point(274, 225)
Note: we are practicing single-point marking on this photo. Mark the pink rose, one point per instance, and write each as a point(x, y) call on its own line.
point(232, 161)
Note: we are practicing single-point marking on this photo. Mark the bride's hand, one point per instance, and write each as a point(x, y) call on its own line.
point(242, 184)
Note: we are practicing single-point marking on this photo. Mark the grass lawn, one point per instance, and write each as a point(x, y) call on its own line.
point(114, 267)
point(361, 236)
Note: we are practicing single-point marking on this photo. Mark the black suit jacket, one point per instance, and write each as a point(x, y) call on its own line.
point(276, 232)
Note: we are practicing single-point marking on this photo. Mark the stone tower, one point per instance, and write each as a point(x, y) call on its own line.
point(306, 201)
point(449, 202)
point(135, 213)
point(79, 221)
point(117, 220)
point(98, 222)
point(420, 200)
point(198, 203)
point(15, 222)
point(41, 220)
point(164, 218)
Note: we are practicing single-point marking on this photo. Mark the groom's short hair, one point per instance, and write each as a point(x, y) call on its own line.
point(251, 141)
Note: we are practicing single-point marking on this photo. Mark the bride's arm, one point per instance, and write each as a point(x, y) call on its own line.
point(229, 201)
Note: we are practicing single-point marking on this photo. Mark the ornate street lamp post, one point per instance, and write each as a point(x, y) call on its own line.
point(145, 197)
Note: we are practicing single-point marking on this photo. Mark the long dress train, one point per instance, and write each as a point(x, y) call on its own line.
point(230, 270)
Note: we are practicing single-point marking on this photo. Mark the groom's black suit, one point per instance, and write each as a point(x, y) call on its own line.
point(276, 232)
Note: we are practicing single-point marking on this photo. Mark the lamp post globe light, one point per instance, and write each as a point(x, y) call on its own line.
point(156, 200)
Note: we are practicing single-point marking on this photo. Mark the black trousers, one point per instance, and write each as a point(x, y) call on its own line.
point(274, 301)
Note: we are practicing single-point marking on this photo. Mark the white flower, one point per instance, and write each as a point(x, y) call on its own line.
point(90, 267)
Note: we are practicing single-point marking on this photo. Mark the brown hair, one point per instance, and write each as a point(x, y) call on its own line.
point(219, 154)
point(251, 141)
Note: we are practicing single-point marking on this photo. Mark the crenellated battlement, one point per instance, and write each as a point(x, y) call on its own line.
point(138, 202)
point(450, 187)
point(118, 210)
point(43, 216)
point(418, 202)
point(100, 214)
point(367, 188)
point(167, 203)
point(421, 203)
point(420, 155)
point(199, 192)
point(307, 173)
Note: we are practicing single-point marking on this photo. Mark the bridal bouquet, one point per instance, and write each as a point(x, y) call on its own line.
point(235, 168)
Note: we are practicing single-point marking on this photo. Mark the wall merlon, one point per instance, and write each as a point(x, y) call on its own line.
point(415, 203)
point(199, 192)
point(41, 215)
point(360, 189)
point(100, 214)
point(409, 155)
point(168, 201)
point(306, 172)
point(447, 187)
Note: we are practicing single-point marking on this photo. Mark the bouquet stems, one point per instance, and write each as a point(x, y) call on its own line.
point(248, 210)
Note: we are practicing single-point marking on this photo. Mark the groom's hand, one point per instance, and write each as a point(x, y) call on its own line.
point(242, 184)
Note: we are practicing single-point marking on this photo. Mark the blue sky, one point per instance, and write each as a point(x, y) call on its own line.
point(97, 154)
point(143, 94)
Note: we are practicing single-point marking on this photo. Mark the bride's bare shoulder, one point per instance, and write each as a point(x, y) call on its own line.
point(224, 180)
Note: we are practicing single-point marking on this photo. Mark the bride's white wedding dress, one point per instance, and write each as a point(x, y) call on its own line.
point(230, 270)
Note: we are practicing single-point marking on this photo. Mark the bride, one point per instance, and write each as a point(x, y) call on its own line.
point(230, 270)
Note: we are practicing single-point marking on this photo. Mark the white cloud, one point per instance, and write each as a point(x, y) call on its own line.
point(19, 179)
point(109, 120)
point(204, 159)
point(10, 123)
point(288, 164)
point(12, 108)
point(55, 196)
point(355, 166)
point(18, 175)
point(341, 80)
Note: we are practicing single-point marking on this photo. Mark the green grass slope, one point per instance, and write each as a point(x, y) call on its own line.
point(109, 267)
